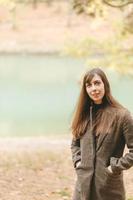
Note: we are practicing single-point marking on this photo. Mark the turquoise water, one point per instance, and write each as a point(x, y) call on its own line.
point(38, 93)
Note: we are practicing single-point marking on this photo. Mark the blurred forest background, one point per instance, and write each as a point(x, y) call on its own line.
point(45, 47)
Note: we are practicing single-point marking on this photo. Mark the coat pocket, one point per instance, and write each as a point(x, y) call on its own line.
point(112, 175)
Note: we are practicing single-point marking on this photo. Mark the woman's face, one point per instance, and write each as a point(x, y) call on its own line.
point(95, 89)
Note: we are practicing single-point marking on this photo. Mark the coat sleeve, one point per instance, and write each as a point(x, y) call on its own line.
point(75, 149)
point(125, 162)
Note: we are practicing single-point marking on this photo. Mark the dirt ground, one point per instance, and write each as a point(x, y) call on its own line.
point(40, 169)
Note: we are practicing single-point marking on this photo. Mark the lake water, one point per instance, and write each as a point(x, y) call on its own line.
point(38, 93)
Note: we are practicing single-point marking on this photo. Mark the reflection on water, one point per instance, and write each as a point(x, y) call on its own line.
point(38, 93)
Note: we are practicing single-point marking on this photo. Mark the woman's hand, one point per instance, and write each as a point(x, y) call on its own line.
point(78, 163)
point(110, 169)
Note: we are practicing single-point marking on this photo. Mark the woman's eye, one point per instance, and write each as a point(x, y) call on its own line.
point(97, 83)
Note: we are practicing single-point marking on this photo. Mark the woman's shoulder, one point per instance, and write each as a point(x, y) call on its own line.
point(121, 112)
point(124, 113)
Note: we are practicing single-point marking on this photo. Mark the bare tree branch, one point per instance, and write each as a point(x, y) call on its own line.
point(117, 6)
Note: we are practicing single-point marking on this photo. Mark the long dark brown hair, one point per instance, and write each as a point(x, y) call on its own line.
point(106, 115)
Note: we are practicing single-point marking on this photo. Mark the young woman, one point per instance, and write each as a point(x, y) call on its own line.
point(101, 127)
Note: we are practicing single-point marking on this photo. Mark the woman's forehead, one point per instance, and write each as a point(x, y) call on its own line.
point(95, 78)
point(92, 77)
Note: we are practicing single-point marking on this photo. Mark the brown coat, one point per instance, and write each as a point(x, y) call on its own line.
point(94, 180)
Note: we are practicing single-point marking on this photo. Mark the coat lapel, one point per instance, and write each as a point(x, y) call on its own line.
point(101, 139)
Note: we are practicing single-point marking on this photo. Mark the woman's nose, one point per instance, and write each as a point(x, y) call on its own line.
point(93, 87)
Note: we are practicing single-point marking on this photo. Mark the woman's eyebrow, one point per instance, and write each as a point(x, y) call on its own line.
point(97, 81)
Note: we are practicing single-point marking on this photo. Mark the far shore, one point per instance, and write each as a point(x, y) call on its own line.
point(33, 142)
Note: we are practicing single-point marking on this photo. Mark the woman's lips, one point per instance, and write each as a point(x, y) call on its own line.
point(96, 94)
